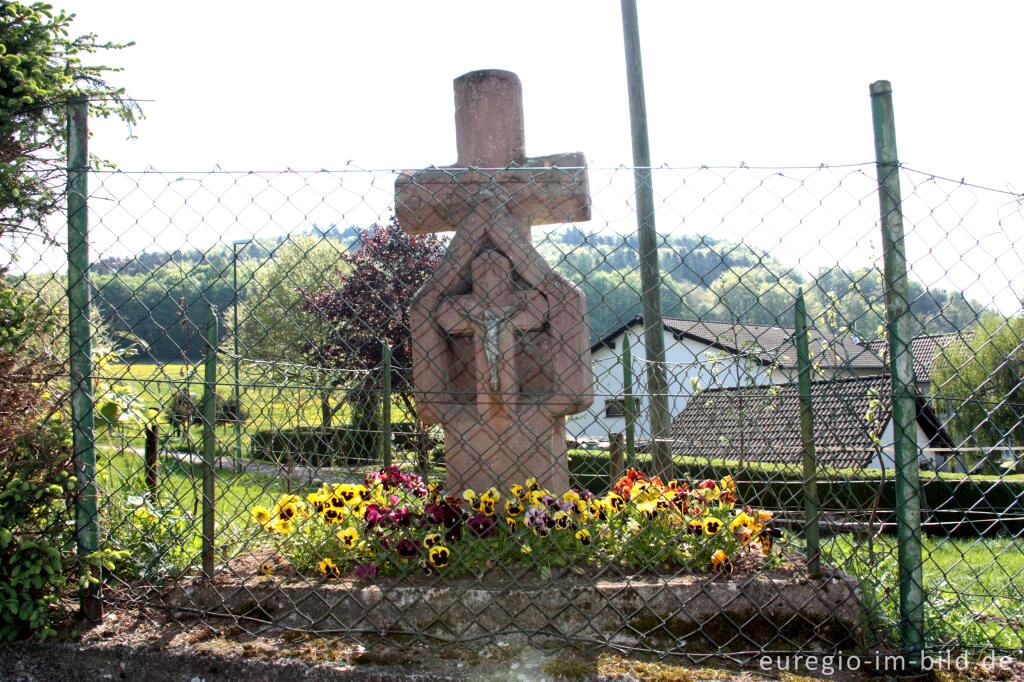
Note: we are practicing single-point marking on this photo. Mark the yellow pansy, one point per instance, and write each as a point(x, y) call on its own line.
point(348, 537)
point(328, 568)
point(439, 555)
point(720, 563)
point(492, 495)
point(743, 520)
point(513, 507)
point(648, 509)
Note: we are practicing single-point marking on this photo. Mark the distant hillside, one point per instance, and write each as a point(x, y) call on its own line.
point(161, 297)
point(720, 280)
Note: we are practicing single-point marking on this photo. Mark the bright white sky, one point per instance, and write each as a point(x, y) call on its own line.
point(268, 85)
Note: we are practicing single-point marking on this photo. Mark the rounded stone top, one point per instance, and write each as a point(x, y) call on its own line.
point(487, 74)
point(489, 119)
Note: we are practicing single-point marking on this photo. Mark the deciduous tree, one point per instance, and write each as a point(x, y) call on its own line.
point(370, 306)
point(272, 324)
point(979, 380)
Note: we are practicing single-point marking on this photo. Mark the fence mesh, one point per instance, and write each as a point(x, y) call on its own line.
point(361, 379)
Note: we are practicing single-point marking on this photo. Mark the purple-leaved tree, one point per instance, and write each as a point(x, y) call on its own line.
point(370, 307)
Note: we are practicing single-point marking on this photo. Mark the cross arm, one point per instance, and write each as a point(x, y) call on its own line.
point(544, 190)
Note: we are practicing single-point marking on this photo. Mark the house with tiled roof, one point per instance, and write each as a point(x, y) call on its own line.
point(925, 349)
point(852, 424)
point(702, 355)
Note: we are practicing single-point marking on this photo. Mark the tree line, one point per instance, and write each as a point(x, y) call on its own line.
point(161, 298)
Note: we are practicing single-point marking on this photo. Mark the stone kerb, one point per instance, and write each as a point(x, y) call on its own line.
point(686, 614)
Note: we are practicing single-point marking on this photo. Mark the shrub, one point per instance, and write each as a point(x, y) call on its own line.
point(35, 488)
point(154, 540)
point(32, 571)
point(330, 446)
point(35, 482)
point(184, 411)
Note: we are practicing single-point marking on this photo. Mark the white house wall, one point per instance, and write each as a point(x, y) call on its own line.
point(888, 441)
point(687, 362)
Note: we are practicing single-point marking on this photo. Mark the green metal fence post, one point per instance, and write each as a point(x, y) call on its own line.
point(209, 438)
point(897, 314)
point(630, 402)
point(151, 454)
point(647, 237)
point(803, 362)
point(237, 394)
point(87, 528)
point(386, 405)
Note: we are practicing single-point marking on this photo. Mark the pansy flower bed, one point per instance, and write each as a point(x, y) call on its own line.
point(396, 524)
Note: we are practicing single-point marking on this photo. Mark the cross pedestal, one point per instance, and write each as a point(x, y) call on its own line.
point(500, 341)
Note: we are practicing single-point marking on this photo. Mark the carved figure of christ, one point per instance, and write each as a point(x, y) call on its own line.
point(496, 315)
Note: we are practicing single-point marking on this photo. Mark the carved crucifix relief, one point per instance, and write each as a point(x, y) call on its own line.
point(497, 315)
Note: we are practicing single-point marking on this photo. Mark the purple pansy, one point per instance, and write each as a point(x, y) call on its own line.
point(365, 570)
point(407, 548)
point(482, 525)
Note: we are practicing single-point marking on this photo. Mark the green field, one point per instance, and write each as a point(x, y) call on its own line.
point(269, 400)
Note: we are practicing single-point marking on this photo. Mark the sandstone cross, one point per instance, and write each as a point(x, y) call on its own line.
point(500, 339)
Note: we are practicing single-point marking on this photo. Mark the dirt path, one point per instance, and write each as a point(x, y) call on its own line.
point(299, 473)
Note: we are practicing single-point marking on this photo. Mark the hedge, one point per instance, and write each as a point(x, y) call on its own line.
point(958, 504)
point(328, 446)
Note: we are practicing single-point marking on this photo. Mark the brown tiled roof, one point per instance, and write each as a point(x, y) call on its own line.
point(773, 344)
point(762, 423)
point(926, 349)
point(767, 344)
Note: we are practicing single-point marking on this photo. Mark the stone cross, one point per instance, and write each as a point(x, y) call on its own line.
point(500, 339)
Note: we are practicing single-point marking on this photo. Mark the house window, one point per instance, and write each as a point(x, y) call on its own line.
point(615, 407)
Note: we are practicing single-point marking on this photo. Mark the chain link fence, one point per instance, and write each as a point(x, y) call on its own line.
point(292, 430)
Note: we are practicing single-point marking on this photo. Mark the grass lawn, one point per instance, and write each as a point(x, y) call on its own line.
point(162, 534)
point(974, 587)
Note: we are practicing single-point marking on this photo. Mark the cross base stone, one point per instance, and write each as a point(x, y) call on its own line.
point(506, 450)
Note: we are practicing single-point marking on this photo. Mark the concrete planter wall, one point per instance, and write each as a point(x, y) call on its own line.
point(686, 614)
